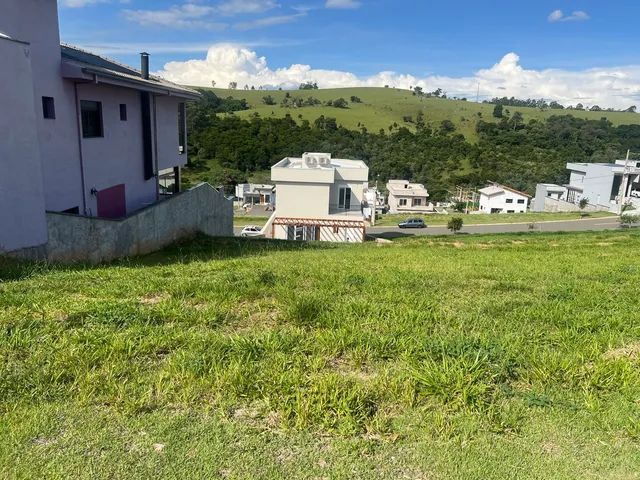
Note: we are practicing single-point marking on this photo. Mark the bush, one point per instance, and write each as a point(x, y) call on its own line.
point(455, 224)
point(340, 103)
point(629, 219)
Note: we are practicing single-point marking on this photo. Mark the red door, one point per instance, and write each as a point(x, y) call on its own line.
point(112, 202)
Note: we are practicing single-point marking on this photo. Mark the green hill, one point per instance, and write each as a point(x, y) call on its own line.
point(382, 107)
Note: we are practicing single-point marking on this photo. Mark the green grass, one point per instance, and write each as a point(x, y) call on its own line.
point(484, 219)
point(513, 356)
point(240, 220)
point(382, 107)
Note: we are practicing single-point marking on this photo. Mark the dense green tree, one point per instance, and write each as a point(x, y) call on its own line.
point(308, 86)
point(229, 149)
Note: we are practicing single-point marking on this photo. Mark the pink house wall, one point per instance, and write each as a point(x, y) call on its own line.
point(116, 157)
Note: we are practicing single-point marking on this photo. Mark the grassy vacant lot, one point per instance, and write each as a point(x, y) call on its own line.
point(511, 356)
point(382, 107)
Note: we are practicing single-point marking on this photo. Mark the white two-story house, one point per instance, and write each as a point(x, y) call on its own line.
point(605, 186)
point(497, 198)
point(319, 198)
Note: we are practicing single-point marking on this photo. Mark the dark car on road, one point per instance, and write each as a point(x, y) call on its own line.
point(412, 223)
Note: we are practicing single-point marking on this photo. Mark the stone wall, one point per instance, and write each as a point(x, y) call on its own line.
point(74, 238)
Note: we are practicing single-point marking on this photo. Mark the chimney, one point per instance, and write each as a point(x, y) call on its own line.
point(144, 65)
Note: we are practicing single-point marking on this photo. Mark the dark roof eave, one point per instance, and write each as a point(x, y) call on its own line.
point(142, 84)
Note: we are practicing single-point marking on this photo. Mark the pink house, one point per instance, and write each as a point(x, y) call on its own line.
point(81, 133)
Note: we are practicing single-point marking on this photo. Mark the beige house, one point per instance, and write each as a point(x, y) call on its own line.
point(319, 198)
point(407, 197)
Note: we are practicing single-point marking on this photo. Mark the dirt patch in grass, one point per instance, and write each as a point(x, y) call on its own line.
point(630, 351)
point(551, 448)
point(255, 315)
point(344, 367)
point(154, 298)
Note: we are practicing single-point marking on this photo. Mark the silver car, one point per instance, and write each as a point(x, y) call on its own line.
point(251, 231)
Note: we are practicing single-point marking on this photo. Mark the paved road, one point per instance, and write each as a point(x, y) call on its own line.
point(606, 223)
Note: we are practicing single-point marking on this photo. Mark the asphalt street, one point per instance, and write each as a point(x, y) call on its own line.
point(607, 223)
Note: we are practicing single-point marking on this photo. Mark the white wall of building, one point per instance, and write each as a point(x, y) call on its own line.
point(167, 137)
point(505, 202)
point(357, 196)
point(22, 212)
point(302, 200)
point(36, 22)
point(327, 234)
point(596, 181)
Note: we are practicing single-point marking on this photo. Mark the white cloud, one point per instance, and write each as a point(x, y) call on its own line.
point(193, 14)
point(576, 16)
point(85, 3)
point(607, 87)
point(268, 21)
point(343, 4)
point(188, 15)
point(236, 7)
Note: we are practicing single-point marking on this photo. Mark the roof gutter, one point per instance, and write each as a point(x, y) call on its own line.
point(139, 84)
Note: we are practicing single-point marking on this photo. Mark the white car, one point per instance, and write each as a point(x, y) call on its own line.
point(251, 231)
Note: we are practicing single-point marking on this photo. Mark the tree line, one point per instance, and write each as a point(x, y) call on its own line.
point(228, 150)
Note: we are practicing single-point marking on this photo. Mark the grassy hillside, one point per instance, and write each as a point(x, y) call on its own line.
point(460, 357)
point(382, 107)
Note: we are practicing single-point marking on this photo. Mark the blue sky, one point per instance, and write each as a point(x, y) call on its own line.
point(363, 37)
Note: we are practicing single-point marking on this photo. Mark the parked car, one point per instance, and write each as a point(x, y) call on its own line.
point(251, 231)
point(412, 223)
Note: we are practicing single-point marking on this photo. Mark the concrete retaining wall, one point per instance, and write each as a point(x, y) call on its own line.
point(554, 205)
point(74, 238)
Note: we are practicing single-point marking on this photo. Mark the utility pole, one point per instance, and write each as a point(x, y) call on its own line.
point(625, 181)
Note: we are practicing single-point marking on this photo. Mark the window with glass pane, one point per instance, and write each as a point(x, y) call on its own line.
point(182, 129)
point(344, 199)
point(167, 181)
point(91, 113)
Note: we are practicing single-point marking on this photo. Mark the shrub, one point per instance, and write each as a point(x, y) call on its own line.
point(455, 224)
point(629, 219)
point(340, 103)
